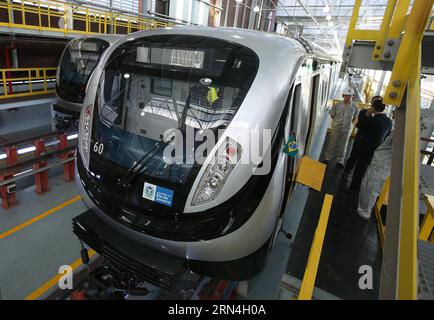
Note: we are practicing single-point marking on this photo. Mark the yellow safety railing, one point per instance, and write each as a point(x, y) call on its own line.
point(426, 232)
point(24, 82)
point(59, 16)
point(405, 32)
point(382, 200)
point(310, 273)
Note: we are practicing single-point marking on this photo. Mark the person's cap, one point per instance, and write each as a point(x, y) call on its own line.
point(348, 92)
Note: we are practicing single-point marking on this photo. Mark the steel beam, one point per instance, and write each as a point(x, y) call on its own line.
point(389, 272)
point(407, 266)
point(411, 40)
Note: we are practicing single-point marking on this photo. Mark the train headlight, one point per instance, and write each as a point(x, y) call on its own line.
point(85, 131)
point(217, 172)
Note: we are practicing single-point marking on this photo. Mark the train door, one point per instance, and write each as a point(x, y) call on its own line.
point(290, 128)
point(316, 101)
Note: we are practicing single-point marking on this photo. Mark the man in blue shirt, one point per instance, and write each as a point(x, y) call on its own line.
point(376, 125)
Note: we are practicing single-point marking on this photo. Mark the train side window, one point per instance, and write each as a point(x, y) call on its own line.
point(316, 94)
point(295, 105)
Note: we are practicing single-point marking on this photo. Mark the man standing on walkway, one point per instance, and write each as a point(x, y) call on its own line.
point(343, 114)
point(376, 125)
point(355, 150)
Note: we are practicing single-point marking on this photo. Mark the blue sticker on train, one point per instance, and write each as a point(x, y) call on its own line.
point(158, 194)
point(164, 196)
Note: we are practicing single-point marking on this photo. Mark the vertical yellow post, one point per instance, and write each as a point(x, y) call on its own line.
point(385, 24)
point(398, 18)
point(5, 88)
point(45, 80)
point(88, 20)
point(39, 16)
point(10, 10)
point(23, 12)
point(310, 273)
point(29, 73)
point(353, 22)
point(407, 264)
point(411, 40)
point(114, 20)
point(428, 221)
point(49, 17)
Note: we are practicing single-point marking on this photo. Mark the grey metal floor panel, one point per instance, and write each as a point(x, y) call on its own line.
point(426, 269)
point(427, 179)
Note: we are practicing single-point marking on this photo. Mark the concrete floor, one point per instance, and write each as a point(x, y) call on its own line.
point(32, 256)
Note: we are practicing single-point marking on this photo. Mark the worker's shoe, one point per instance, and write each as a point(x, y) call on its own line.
point(363, 215)
point(340, 165)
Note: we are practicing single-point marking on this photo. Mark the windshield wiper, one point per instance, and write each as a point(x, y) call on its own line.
point(135, 170)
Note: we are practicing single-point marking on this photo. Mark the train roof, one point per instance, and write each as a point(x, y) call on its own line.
point(258, 41)
point(111, 38)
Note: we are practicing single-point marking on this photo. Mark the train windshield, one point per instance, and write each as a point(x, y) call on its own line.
point(78, 62)
point(158, 83)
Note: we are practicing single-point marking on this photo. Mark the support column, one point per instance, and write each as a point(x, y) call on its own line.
point(252, 15)
point(237, 11)
point(226, 13)
point(260, 15)
point(389, 272)
point(244, 15)
point(399, 269)
point(273, 18)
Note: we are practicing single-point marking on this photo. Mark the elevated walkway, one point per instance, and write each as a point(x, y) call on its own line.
point(55, 18)
point(350, 242)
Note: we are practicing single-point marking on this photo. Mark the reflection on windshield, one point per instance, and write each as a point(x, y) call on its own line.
point(143, 94)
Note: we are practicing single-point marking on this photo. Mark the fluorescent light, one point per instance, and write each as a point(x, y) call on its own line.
point(3, 156)
point(256, 9)
point(26, 150)
point(239, 1)
point(326, 9)
point(23, 172)
point(329, 17)
point(72, 136)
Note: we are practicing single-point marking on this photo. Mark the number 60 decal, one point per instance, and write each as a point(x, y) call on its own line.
point(98, 148)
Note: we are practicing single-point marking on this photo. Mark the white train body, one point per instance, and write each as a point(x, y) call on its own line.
point(138, 91)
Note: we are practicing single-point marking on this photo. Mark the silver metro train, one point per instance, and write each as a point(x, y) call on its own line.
point(76, 64)
point(219, 219)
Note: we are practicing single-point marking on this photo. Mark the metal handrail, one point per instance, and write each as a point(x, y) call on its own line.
point(55, 15)
point(34, 171)
point(29, 76)
point(42, 158)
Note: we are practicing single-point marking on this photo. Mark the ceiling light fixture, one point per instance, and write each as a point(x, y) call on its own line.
point(256, 9)
point(326, 9)
point(329, 17)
